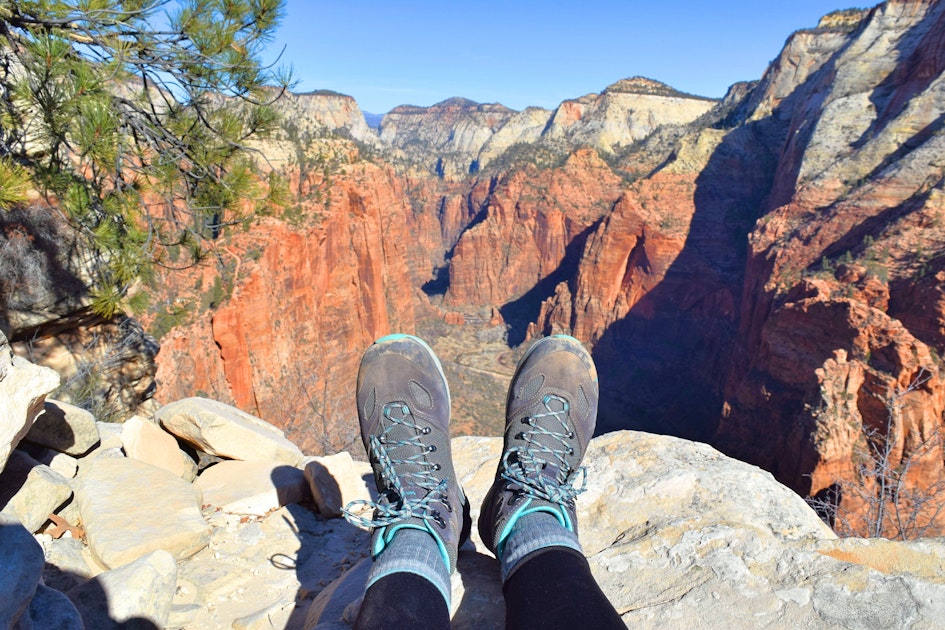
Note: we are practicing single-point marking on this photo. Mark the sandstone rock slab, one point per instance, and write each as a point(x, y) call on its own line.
point(134, 595)
point(666, 479)
point(30, 491)
point(130, 509)
point(256, 488)
point(146, 442)
point(336, 480)
point(271, 617)
point(678, 535)
point(23, 388)
point(220, 429)
point(65, 428)
point(254, 563)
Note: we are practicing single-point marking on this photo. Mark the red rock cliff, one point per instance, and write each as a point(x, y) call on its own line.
point(286, 345)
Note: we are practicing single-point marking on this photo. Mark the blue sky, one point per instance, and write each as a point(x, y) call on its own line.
point(520, 53)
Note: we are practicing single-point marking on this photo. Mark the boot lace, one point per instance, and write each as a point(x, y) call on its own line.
point(410, 468)
point(540, 469)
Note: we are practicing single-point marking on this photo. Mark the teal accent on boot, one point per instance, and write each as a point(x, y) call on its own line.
point(386, 534)
point(560, 515)
point(534, 530)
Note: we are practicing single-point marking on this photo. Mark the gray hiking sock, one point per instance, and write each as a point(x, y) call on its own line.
point(531, 532)
point(413, 551)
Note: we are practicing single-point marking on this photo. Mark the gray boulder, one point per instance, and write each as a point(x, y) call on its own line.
point(65, 428)
point(226, 431)
point(23, 388)
point(136, 595)
point(22, 560)
point(130, 509)
point(30, 491)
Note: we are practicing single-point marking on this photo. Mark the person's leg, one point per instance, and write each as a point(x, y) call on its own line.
point(421, 516)
point(553, 588)
point(528, 518)
point(403, 601)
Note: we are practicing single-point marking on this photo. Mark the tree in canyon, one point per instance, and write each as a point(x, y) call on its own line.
point(889, 493)
point(132, 118)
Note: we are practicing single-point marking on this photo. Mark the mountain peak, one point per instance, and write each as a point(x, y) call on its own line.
point(650, 87)
point(457, 101)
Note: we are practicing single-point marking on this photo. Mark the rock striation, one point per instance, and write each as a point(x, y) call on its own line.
point(445, 138)
point(843, 243)
point(624, 113)
point(324, 111)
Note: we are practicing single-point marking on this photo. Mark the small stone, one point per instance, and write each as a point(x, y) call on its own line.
point(130, 508)
point(137, 593)
point(30, 492)
point(254, 488)
point(336, 480)
point(147, 442)
point(23, 388)
point(110, 433)
point(64, 428)
point(220, 429)
point(65, 465)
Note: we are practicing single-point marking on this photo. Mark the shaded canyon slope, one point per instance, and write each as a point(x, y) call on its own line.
point(818, 345)
point(763, 272)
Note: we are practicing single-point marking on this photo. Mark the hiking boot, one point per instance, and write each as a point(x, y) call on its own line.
point(404, 410)
point(551, 412)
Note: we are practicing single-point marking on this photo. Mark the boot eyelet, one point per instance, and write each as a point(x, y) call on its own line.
point(431, 448)
point(425, 430)
point(436, 466)
point(570, 451)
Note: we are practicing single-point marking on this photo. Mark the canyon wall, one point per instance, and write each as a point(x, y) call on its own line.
point(308, 297)
point(763, 272)
point(807, 352)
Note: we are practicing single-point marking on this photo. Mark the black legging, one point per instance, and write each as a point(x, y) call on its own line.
point(552, 588)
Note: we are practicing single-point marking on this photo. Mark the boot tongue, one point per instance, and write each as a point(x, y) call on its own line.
point(552, 475)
